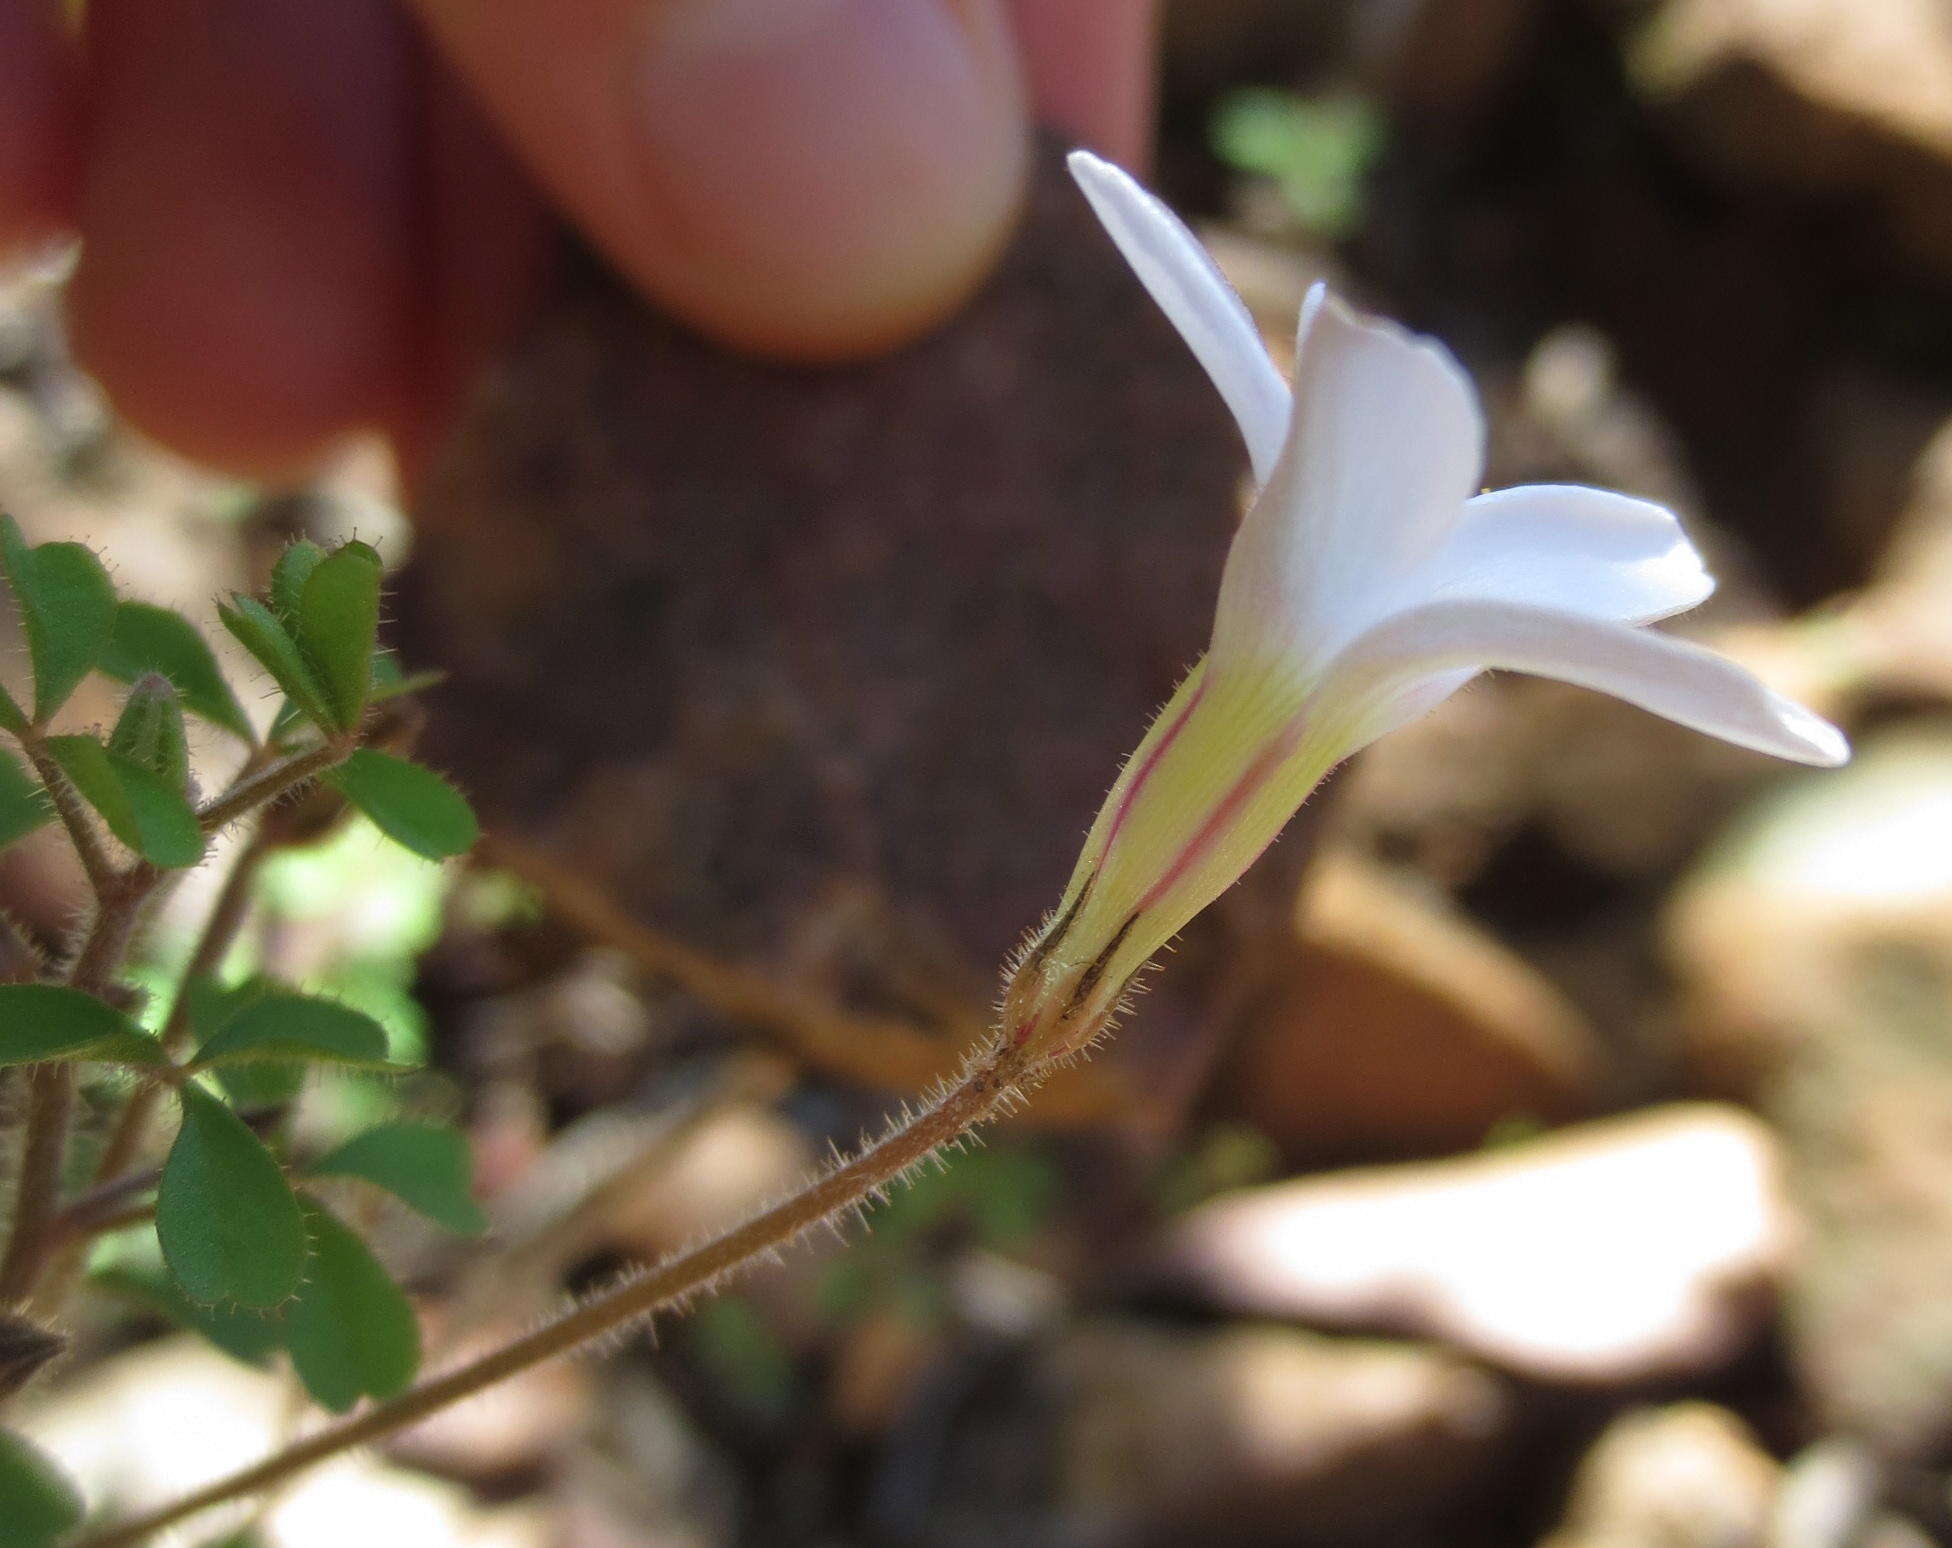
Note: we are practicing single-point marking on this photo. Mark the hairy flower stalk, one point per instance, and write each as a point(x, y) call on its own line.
point(1368, 582)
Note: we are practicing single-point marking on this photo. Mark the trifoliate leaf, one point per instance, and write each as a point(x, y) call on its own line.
point(24, 805)
point(228, 1221)
point(139, 808)
point(338, 625)
point(67, 610)
point(39, 1505)
point(424, 1165)
point(261, 632)
point(352, 1332)
point(149, 731)
point(42, 1022)
point(154, 639)
point(284, 1026)
point(410, 804)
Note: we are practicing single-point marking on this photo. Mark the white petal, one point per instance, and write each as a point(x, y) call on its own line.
point(1197, 298)
point(1566, 546)
point(1384, 671)
point(1386, 445)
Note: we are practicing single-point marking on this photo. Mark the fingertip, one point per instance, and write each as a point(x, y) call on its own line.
point(1091, 70)
point(817, 184)
point(867, 187)
point(242, 292)
point(256, 382)
point(39, 115)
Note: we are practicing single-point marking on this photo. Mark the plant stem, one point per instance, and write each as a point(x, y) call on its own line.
point(33, 1244)
point(995, 1075)
point(98, 1210)
point(82, 832)
point(219, 930)
point(50, 1105)
point(51, 1093)
point(23, 962)
point(254, 789)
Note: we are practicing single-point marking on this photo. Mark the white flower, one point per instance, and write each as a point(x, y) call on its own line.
point(1368, 582)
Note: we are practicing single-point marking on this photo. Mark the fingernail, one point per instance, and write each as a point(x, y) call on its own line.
point(826, 177)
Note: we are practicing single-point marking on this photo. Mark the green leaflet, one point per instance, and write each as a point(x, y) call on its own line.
point(352, 1332)
point(38, 1504)
point(139, 808)
point(149, 731)
point(24, 805)
point(228, 1221)
point(261, 632)
point(154, 639)
point(410, 804)
point(67, 611)
point(424, 1165)
point(280, 1025)
point(337, 627)
point(288, 577)
point(44, 1022)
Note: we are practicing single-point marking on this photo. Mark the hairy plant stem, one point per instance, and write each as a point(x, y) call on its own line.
point(996, 1075)
point(50, 1105)
point(89, 845)
point(257, 787)
point(35, 1250)
point(23, 961)
point(51, 1092)
point(226, 917)
point(69, 1229)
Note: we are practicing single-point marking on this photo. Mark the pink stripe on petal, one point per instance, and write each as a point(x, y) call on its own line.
point(1270, 758)
point(1151, 762)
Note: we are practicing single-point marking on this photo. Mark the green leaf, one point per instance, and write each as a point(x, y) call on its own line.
point(424, 1165)
point(391, 681)
point(247, 1337)
point(244, 1085)
point(24, 805)
point(411, 805)
point(149, 731)
point(140, 809)
point(288, 577)
point(38, 1503)
point(154, 639)
point(260, 632)
point(67, 608)
point(282, 1025)
point(228, 1221)
point(352, 1332)
point(11, 717)
point(42, 1022)
point(337, 628)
